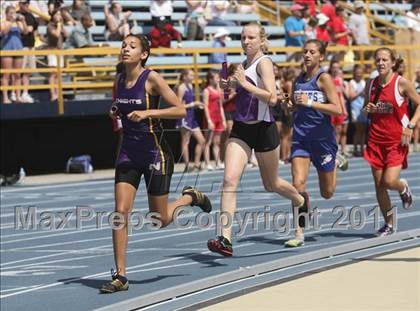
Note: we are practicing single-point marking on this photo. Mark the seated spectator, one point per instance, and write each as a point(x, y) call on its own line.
point(322, 32)
point(56, 34)
point(116, 22)
point(160, 8)
point(358, 23)
point(11, 29)
point(79, 9)
point(413, 17)
point(219, 42)
point(195, 19)
point(162, 34)
point(28, 40)
point(80, 36)
point(219, 9)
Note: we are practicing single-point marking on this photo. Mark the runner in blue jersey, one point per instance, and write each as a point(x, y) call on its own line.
point(253, 128)
point(143, 151)
point(314, 100)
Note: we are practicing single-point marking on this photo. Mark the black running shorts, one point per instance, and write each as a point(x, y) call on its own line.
point(261, 136)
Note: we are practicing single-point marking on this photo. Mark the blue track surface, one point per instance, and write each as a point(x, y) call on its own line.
point(62, 269)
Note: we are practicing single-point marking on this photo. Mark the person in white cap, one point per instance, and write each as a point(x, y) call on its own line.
point(322, 33)
point(358, 23)
point(219, 42)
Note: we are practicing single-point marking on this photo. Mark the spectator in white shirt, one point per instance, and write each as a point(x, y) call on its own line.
point(358, 23)
point(160, 8)
point(413, 17)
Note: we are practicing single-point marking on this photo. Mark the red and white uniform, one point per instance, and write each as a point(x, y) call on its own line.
point(214, 109)
point(384, 147)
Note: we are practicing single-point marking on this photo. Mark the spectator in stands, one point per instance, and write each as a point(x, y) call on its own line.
point(41, 7)
point(65, 13)
point(294, 27)
point(357, 99)
point(80, 36)
point(342, 33)
point(358, 24)
point(214, 121)
point(240, 8)
point(328, 8)
point(195, 19)
point(413, 17)
point(56, 34)
point(219, 42)
point(322, 33)
point(28, 40)
point(310, 4)
point(79, 8)
point(11, 30)
point(219, 9)
point(159, 8)
point(162, 34)
point(310, 28)
point(116, 22)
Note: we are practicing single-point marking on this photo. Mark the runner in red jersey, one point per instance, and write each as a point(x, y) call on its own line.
point(390, 133)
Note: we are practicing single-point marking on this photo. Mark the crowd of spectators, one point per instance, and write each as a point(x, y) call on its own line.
point(70, 27)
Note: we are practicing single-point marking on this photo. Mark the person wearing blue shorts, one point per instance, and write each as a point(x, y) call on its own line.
point(314, 100)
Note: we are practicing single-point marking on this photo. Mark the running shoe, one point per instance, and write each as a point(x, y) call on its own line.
point(305, 208)
point(406, 196)
point(220, 245)
point(118, 283)
point(295, 242)
point(342, 162)
point(198, 198)
point(385, 230)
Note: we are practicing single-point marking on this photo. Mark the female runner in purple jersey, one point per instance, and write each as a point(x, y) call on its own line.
point(314, 100)
point(253, 128)
point(143, 150)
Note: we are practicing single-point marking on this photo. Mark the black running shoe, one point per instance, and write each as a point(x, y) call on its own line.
point(198, 198)
point(305, 208)
point(220, 245)
point(118, 283)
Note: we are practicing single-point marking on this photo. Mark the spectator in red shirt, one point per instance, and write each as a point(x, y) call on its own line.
point(322, 33)
point(328, 8)
point(308, 3)
point(162, 34)
point(340, 29)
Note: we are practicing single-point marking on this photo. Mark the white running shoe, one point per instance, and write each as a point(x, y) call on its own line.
point(13, 96)
point(210, 167)
point(26, 98)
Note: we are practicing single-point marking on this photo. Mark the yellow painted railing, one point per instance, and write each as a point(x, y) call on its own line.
point(107, 69)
